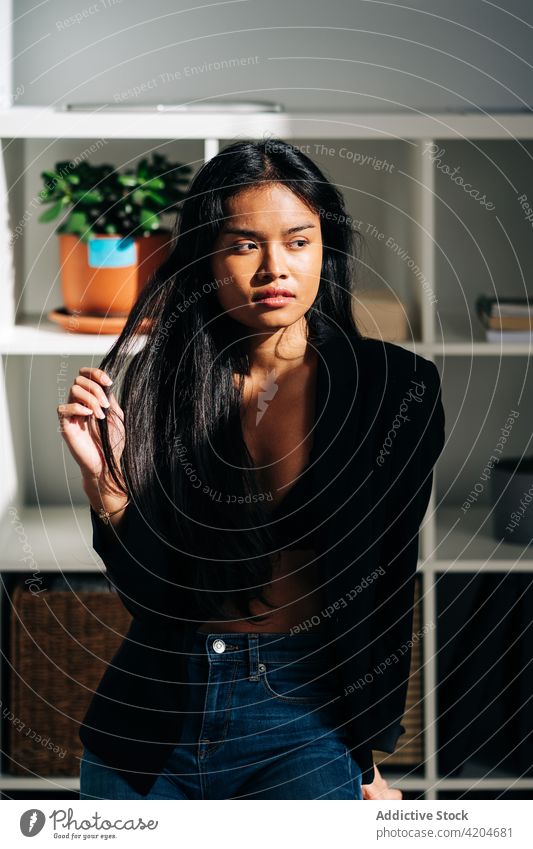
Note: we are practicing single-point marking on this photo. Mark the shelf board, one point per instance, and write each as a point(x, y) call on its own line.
point(480, 349)
point(52, 783)
point(48, 122)
point(463, 335)
point(465, 542)
point(59, 539)
point(480, 784)
point(36, 335)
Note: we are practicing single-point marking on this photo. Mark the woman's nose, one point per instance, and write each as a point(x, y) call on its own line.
point(273, 261)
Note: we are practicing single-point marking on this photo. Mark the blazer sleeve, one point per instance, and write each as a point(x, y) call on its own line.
point(106, 538)
point(418, 444)
point(118, 549)
point(136, 562)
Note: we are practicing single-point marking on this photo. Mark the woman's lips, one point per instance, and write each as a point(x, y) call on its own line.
point(274, 297)
point(275, 300)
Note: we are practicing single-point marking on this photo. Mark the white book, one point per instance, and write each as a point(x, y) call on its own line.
point(506, 336)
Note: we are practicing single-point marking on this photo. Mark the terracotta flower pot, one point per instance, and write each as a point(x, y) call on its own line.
point(105, 275)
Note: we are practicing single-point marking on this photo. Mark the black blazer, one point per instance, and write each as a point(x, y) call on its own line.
point(379, 431)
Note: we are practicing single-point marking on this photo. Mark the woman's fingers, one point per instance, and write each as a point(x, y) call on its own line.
point(88, 399)
point(77, 420)
point(94, 388)
point(381, 792)
point(96, 374)
point(65, 411)
point(93, 379)
point(379, 789)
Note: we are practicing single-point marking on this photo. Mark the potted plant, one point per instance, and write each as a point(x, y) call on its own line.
point(112, 239)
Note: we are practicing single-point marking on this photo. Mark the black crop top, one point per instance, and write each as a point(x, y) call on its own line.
point(293, 520)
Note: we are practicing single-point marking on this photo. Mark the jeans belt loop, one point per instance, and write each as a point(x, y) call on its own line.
point(253, 655)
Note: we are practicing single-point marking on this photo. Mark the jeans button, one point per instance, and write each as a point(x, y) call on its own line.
point(219, 646)
point(262, 667)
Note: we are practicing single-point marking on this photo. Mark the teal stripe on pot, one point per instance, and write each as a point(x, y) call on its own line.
point(111, 252)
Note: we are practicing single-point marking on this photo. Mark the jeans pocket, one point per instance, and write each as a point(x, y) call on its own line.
point(297, 682)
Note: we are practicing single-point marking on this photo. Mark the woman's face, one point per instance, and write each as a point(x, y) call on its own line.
point(270, 240)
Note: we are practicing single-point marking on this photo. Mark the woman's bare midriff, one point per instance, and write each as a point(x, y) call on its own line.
point(294, 590)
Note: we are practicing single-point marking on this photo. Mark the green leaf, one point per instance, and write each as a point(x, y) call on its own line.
point(66, 165)
point(159, 199)
point(46, 195)
point(149, 220)
point(142, 170)
point(63, 188)
point(50, 176)
point(52, 213)
point(128, 180)
point(77, 222)
point(90, 197)
point(154, 183)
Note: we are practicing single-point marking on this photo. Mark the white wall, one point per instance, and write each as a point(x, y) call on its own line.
point(351, 54)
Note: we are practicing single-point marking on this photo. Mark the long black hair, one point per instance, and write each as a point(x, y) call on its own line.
point(185, 463)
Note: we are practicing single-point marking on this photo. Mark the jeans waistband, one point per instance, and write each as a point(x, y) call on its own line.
point(253, 648)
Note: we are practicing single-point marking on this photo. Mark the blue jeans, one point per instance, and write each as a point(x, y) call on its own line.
point(261, 723)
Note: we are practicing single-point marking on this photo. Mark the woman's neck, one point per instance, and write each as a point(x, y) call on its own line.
point(280, 351)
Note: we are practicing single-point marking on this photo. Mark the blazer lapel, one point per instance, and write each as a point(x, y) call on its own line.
point(339, 394)
point(342, 479)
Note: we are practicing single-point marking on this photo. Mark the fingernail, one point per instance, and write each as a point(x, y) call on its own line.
point(107, 380)
point(101, 414)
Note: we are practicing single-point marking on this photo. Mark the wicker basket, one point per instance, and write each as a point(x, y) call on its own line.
point(61, 642)
point(410, 748)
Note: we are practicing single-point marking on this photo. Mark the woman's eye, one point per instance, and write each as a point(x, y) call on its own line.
point(243, 245)
point(240, 247)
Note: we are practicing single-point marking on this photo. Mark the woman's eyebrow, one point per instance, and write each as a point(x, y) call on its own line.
point(238, 231)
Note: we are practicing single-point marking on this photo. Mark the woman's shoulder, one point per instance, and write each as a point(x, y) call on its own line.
point(377, 356)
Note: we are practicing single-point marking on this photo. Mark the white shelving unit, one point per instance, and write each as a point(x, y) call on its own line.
point(459, 247)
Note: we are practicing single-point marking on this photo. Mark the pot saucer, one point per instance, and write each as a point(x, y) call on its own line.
point(96, 324)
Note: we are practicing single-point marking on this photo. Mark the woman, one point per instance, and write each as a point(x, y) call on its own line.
point(205, 499)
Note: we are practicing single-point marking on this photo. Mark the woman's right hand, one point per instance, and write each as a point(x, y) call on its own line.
point(79, 429)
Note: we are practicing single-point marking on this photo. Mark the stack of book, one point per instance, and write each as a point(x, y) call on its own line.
point(506, 319)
